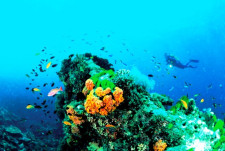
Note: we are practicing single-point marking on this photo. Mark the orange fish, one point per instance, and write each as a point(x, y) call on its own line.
point(109, 125)
point(67, 123)
point(202, 100)
point(184, 104)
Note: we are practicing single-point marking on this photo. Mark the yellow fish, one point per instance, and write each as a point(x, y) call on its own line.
point(202, 100)
point(48, 65)
point(67, 123)
point(36, 89)
point(30, 106)
point(184, 104)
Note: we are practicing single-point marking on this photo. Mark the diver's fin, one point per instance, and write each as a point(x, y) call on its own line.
point(195, 61)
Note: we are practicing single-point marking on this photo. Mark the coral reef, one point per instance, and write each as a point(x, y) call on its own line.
point(111, 110)
point(15, 137)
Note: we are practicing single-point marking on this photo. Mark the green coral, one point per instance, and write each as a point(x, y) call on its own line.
point(103, 79)
point(219, 142)
point(219, 125)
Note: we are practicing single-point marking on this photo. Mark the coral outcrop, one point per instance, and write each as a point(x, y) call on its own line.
point(114, 110)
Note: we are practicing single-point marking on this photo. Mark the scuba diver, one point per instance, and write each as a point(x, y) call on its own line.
point(173, 61)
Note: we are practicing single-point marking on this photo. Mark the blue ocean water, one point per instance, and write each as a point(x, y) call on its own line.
point(133, 33)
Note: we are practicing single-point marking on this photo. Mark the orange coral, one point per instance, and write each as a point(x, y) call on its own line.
point(159, 146)
point(100, 92)
point(76, 120)
point(92, 104)
point(85, 91)
point(89, 84)
point(109, 103)
point(118, 96)
point(72, 115)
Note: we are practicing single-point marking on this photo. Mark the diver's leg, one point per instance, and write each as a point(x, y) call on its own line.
point(195, 61)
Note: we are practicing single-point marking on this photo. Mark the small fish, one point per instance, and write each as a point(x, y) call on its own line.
point(175, 76)
point(42, 50)
point(52, 84)
point(213, 98)
point(48, 112)
point(196, 95)
point(27, 75)
point(184, 104)
point(43, 103)
point(123, 63)
point(187, 85)
point(54, 65)
point(45, 84)
point(38, 98)
point(32, 79)
point(109, 125)
point(45, 106)
point(67, 123)
point(210, 86)
point(55, 91)
point(150, 75)
point(38, 107)
point(52, 57)
point(41, 70)
point(40, 94)
point(48, 65)
point(29, 106)
point(202, 100)
point(103, 48)
point(171, 89)
point(27, 88)
point(36, 90)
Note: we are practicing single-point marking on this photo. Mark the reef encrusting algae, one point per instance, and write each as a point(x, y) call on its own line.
point(108, 110)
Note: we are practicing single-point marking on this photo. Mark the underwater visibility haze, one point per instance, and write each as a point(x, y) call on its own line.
point(112, 75)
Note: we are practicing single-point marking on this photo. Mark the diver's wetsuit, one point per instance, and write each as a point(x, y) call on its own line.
point(175, 62)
